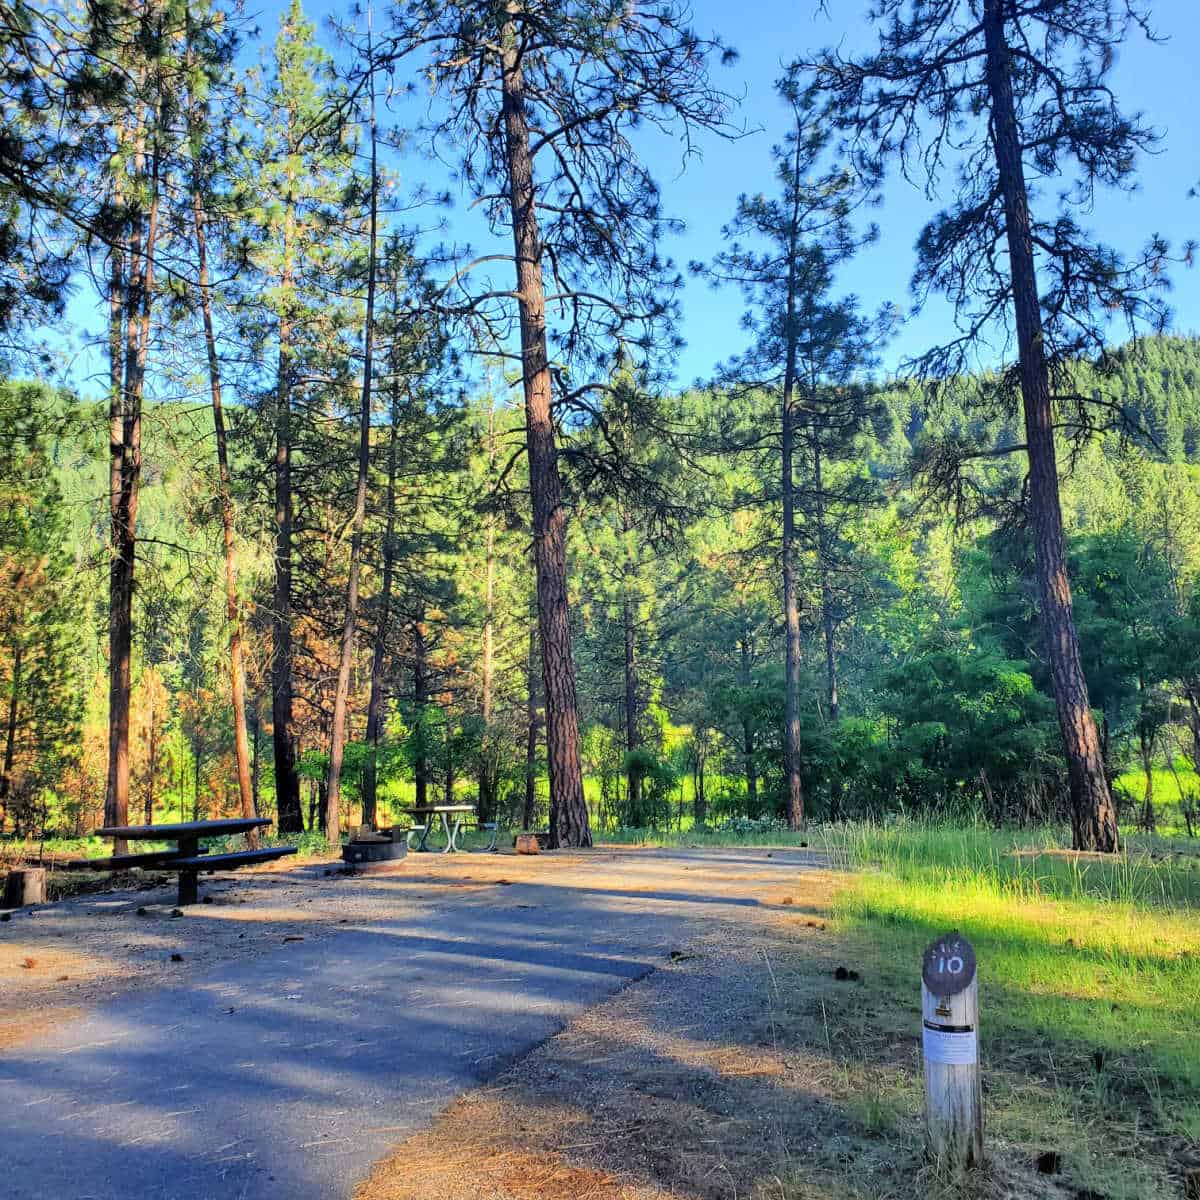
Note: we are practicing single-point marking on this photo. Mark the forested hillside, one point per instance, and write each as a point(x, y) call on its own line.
point(368, 512)
point(941, 695)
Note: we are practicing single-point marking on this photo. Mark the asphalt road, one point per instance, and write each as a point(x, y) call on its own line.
point(288, 1071)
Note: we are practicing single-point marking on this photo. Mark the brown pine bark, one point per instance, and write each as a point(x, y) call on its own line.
point(118, 660)
point(254, 757)
point(341, 695)
point(233, 614)
point(196, 763)
point(568, 808)
point(1093, 815)
point(529, 812)
point(420, 699)
point(288, 812)
point(137, 291)
point(793, 784)
point(699, 799)
point(375, 705)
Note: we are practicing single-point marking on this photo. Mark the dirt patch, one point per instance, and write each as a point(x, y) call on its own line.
point(42, 963)
point(500, 1153)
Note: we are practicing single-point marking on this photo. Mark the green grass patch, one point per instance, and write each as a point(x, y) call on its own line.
point(1021, 864)
point(1089, 973)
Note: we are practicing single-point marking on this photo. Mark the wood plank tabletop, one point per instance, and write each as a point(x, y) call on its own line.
point(439, 808)
point(183, 829)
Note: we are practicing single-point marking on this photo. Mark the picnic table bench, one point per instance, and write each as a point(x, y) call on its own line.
point(189, 860)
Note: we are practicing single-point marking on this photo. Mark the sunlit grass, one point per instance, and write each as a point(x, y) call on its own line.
point(1020, 864)
point(1089, 970)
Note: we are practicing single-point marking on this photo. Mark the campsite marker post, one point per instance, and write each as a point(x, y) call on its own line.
point(950, 1052)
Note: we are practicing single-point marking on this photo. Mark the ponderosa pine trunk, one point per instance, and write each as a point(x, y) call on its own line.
point(233, 613)
point(196, 765)
point(125, 476)
point(375, 705)
point(699, 799)
point(420, 700)
point(289, 814)
point(341, 695)
point(529, 812)
point(116, 469)
point(568, 808)
point(793, 783)
point(254, 758)
point(1093, 816)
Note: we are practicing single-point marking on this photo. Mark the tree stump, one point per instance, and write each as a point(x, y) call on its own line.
point(24, 885)
point(527, 843)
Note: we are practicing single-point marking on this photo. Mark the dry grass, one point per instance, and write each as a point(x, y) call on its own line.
point(485, 1147)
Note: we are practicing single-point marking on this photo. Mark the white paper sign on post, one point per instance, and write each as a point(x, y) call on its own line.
point(954, 1047)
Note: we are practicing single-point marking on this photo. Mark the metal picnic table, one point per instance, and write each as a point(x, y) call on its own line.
point(187, 859)
point(445, 811)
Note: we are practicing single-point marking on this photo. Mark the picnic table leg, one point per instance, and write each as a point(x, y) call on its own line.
point(189, 881)
point(446, 830)
point(421, 847)
point(453, 847)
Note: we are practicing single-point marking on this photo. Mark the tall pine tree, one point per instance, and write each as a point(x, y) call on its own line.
point(1001, 94)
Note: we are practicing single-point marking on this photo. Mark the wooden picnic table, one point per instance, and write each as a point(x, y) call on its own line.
point(187, 859)
point(445, 811)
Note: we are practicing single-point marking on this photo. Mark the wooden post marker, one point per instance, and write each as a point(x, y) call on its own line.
point(950, 1050)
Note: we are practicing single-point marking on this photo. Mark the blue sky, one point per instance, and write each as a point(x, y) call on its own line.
point(1157, 79)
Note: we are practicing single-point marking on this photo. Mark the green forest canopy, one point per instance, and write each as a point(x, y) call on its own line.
point(943, 697)
point(427, 530)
